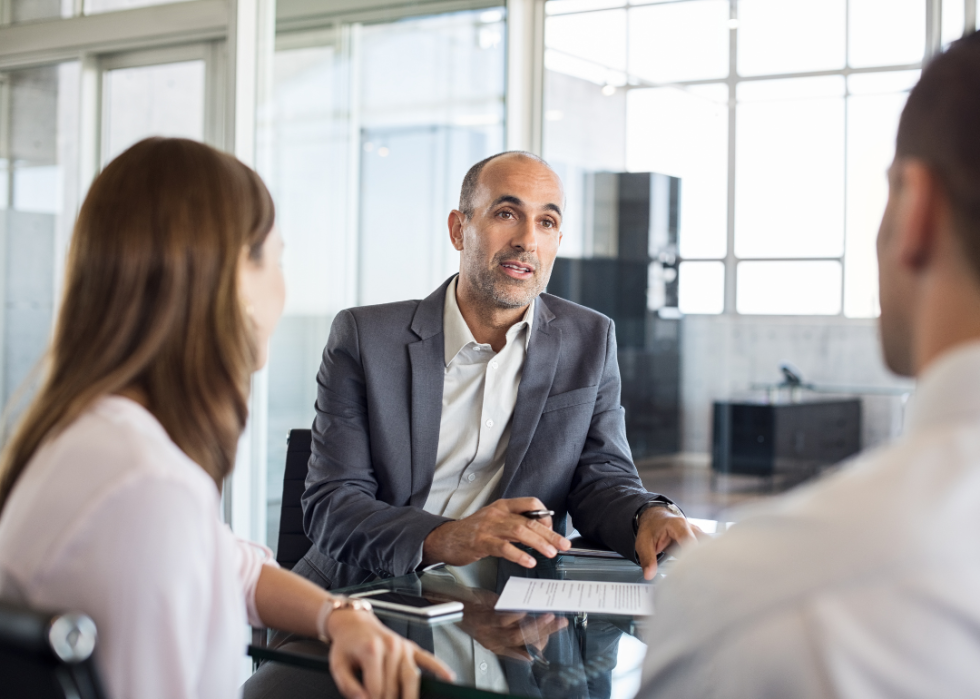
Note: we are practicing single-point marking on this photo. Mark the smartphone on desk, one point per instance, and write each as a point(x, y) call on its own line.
point(409, 604)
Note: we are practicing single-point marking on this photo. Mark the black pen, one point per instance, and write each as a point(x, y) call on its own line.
point(538, 514)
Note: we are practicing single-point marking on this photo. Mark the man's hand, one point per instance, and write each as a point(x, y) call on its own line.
point(493, 531)
point(508, 634)
point(660, 528)
point(511, 635)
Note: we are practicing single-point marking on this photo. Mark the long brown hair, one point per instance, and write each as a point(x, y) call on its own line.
point(151, 302)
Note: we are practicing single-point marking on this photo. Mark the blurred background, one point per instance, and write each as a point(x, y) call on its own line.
point(724, 162)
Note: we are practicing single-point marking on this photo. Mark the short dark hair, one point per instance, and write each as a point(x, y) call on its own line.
point(472, 178)
point(940, 125)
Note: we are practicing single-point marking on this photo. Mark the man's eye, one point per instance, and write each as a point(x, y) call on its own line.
point(548, 223)
point(505, 213)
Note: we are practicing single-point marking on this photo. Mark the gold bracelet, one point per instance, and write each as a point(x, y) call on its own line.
point(331, 605)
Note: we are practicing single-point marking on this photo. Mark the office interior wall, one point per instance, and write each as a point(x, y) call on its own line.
point(722, 356)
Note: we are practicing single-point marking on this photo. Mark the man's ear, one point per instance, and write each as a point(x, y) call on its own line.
point(917, 213)
point(456, 220)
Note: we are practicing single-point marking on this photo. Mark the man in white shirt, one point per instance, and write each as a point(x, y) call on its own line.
point(866, 583)
point(440, 421)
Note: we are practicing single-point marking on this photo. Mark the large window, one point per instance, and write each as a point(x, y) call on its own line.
point(364, 143)
point(779, 116)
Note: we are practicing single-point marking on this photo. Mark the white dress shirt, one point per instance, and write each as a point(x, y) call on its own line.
point(112, 519)
point(478, 399)
point(865, 584)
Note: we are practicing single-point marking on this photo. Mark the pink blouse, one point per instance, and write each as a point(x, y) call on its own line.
point(112, 519)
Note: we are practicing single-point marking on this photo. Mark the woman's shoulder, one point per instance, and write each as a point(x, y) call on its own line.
point(118, 437)
point(111, 475)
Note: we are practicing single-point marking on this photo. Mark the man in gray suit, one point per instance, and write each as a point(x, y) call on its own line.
point(439, 422)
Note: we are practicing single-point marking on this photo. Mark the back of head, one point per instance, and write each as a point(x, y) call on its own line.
point(941, 126)
point(151, 302)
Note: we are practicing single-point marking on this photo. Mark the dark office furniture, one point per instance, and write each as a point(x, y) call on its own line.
point(634, 234)
point(789, 441)
point(46, 656)
point(293, 543)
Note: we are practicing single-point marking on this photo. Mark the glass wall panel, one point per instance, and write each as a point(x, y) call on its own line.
point(789, 288)
point(364, 144)
point(93, 7)
point(886, 32)
point(591, 46)
point(791, 36)
point(39, 157)
point(684, 132)
point(789, 199)
point(29, 10)
point(701, 287)
point(156, 100)
point(954, 20)
point(558, 7)
point(679, 41)
point(874, 107)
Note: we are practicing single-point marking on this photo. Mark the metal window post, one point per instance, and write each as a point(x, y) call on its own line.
point(731, 263)
point(251, 42)
point(525, 75)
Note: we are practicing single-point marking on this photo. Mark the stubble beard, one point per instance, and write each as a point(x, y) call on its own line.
point(499, 291)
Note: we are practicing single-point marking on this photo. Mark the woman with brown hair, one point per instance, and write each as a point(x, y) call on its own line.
point(110, 486)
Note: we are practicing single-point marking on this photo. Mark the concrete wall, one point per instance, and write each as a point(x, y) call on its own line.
point(721, 356)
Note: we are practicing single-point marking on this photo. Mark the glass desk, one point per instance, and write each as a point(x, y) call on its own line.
point(547, 656)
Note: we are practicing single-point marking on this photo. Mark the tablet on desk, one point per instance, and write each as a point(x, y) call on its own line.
point(409, 604)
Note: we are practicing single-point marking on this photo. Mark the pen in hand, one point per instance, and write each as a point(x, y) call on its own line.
point(538, 514)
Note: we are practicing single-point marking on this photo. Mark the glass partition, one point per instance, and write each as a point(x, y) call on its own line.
point(39, 178)
point(156, 100)
point(364, 142)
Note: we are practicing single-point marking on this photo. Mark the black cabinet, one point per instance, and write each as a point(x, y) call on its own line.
point(794, 440)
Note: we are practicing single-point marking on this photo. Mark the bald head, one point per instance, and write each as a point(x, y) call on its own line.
point(471, 181)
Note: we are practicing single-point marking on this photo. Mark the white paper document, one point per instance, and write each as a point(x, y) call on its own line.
point(529, 594)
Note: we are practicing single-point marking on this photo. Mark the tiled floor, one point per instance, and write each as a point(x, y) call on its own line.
point(689, 483)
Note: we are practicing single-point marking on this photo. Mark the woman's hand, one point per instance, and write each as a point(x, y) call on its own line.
point(389, 664)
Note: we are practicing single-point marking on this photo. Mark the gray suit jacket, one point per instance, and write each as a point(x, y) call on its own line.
point(376, 432)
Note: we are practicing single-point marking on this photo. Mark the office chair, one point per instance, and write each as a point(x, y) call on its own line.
point(47, 656)
point(293, 543)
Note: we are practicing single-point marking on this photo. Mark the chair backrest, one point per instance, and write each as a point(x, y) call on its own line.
point(293, 543)
point(47, 656)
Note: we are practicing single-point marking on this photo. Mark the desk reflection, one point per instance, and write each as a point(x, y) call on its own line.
point(547, 656)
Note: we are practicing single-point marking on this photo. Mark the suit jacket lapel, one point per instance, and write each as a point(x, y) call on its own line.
point(539, 373)
point(428, 361)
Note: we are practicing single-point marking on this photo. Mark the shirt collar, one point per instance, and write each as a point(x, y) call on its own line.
point(458, 334)
point(948, 390)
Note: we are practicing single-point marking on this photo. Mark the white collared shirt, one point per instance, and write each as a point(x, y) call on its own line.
point(865, 584)
point(478, 399)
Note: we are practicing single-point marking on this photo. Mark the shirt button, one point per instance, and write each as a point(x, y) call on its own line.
point(489, 423)
point(471, 477)
point(483, 667)
point(493, 365)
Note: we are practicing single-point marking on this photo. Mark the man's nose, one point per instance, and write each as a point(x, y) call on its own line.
point(526, 237)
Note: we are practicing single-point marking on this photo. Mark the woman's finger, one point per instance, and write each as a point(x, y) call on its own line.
point(372, 666)
point(409, 679)
point(393, 667)
point(427, 661)
point(343, 675)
